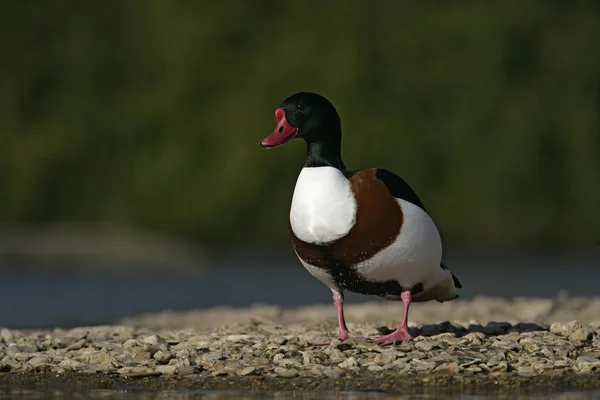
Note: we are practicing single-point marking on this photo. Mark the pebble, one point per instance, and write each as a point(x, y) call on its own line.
point(333, 373)
point(426, 345)
point(348, 363)
point(77, 345)
point(451, 368)
point(6, 335)
point(248, 371)
point(311, 349)
point(138, 372)
point(286, 373)
point(163, 356)
point(166, 369)
point(527, 371)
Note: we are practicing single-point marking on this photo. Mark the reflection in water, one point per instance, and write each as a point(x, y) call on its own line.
point(223, 395)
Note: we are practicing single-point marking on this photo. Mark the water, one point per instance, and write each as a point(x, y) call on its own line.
point(45, 299)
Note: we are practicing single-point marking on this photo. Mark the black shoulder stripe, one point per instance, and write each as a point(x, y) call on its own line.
point(398, 187)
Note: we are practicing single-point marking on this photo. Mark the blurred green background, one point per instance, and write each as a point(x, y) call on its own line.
point(147, 114)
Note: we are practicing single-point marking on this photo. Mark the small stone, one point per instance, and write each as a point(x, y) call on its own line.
point(62, 342)
point(290, 350)
point(587, 364)
point(401, 364)
point(452, 368)
point(288, 362)
point(557, 328)
point(497, 356)
point(7, 335)
point(141, 356)
point(473, 361)
point(23, 356)
point(317, 370)
point(281, 340)
point(38, 360)
point(248, 371)
point(581, 335)
point(166, 369)
point(332, 373)
point(501, 366)
point(286, 373)
point(162, 356)
point(78, 345)
point(89, 369)
point(567, 329)
point(530, 347)
point(101, 358)
point(337, 356)
point(527, 371)
point(27, 348)
point(138, 372)
point(70, 364)
point(562, 364)
point(423, 365)
point(131, 343)
point(154, 340)
point(426, 345)
point(473, 338)
point(385, 358)
point(238, 338)
point(546, 352)
point(474, 369)
point(188, 371)
point(347, 363)
point(509, 345)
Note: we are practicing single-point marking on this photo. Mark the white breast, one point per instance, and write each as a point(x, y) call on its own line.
point(323, 207)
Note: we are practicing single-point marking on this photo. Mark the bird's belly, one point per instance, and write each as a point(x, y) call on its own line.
point(322, 274)
point(412, 260)
point(414, 257)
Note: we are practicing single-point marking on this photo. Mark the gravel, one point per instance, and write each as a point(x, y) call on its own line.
point(272, 343)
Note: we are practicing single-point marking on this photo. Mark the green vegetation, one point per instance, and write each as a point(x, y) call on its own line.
point(149, 112)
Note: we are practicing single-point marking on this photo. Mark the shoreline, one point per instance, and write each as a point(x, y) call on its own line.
point(388, 382)
point(266, 348)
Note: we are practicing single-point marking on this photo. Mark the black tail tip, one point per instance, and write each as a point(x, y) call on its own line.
point(457, 283)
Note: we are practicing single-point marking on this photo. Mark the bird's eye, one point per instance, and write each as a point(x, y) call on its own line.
point(300, 106)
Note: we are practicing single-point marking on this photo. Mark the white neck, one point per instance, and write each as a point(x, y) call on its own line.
point(323, 207)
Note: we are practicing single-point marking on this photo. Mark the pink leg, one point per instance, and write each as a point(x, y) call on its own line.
point(338, 301)
point(401, 334)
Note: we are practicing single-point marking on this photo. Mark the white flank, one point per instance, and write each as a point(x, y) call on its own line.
point(414, 257)
point(323, 207)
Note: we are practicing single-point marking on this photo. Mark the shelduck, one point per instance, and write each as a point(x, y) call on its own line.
point(364, 231)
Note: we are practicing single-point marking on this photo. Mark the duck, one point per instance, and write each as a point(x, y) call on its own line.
point(363, 231)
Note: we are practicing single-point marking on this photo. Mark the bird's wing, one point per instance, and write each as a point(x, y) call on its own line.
point(402, 190)
point(398, 187)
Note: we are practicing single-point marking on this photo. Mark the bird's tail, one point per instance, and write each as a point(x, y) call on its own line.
point(457, 283)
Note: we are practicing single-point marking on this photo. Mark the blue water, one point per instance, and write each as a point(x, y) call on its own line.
point(60, 297)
